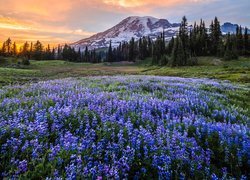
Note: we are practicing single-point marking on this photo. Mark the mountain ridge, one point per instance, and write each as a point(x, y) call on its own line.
point(137, 27)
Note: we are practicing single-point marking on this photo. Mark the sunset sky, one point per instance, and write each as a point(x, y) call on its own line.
point(60, 21)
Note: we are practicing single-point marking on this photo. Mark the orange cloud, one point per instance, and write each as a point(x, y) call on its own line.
point(137, 3)
point(52, 9)
point(22, 31)
point(70, 20)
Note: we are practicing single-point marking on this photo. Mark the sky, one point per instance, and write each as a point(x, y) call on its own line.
point(66, 21)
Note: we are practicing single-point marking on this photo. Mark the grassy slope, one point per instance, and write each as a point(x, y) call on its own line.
point(235, 71)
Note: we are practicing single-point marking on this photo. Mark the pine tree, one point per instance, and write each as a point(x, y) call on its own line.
point(231, 47)
point(157, 51)
point(31, 50)
point(132, 53)
point(110, 53)
point(215, 36)
point(174, 52)
point(183, 34)
point(246, 42)
point(79, 55)
point(3, 51)
point(25, 50)
point(163, 46)
point(14, 49)
point(239, 39)
point(170, 46)
point(53, 55)
point(86, 54)
point(8, 46)
point(38, 51)
point(141, 55)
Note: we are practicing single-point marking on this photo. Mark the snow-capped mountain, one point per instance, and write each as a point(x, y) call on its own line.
point(230, 28)
point(137, 27)
point(133, 26)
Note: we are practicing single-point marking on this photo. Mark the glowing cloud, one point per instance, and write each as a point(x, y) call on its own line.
point(60, 21)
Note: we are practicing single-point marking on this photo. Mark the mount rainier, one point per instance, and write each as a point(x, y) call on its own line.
point(136, 27)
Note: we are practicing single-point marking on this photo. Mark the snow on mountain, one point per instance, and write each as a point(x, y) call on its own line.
point(137, 27)
point(230, 28)
point(133, 26)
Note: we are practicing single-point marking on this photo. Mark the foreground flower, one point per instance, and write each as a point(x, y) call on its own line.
point(123, 127)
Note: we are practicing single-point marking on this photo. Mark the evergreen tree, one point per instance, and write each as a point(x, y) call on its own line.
point(31, 50)
point(79, 55)
point(150, 47)
point(110, 53)
point(239, 40)
point(183, 34)
point(215, 36)
point(53, 55)
point(178, 53)
point(38, 51)
point(246, 42)
point(8, 46)
point(145, 50)
point(132, 51)
point(231, 47)
point(86, 54)
point(170, 46)
point(3, 51)
point(157, 51)
point(25, 50)
point(14, 49)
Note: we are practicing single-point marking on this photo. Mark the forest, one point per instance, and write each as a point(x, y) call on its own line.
point(182, 50)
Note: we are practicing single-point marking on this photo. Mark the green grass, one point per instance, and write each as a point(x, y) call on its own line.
point(234, 71)
point(237, 71)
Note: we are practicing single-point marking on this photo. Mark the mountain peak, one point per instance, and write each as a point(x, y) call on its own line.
point(132, 26)
point(137, 27)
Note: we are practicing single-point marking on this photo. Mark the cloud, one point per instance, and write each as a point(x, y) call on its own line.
point(71, 20)
point(138, 3)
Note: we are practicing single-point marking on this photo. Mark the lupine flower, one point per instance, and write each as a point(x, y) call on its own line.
point(123, 127)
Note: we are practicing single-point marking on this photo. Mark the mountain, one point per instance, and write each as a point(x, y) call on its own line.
point(133, 26)
point(137, 27)
point(230, 28)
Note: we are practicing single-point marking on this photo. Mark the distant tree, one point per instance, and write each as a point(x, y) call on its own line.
point(8, 46)
point(157, 51)
point(14, 49)
point(170, 46)
point(3, 51)
point(246, 42)
point(25, 50)
point(79, 55)
point(231, 47)
point(53, 55)
point(132, 50)
point(86, 54)
point(38, 51)
point(239, 40)
point(110, 53)
point(59, 52)
point(150, 47)
point(69, 53)
point(178, 54)
point(215, 36)
point(183, 35)
point(31, 50)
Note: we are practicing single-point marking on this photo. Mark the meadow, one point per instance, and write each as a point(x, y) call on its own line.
point(114, 121)
point(237, 71)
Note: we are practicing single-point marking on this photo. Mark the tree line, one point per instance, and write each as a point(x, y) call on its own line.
point(38, 51)
point(183, 49)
